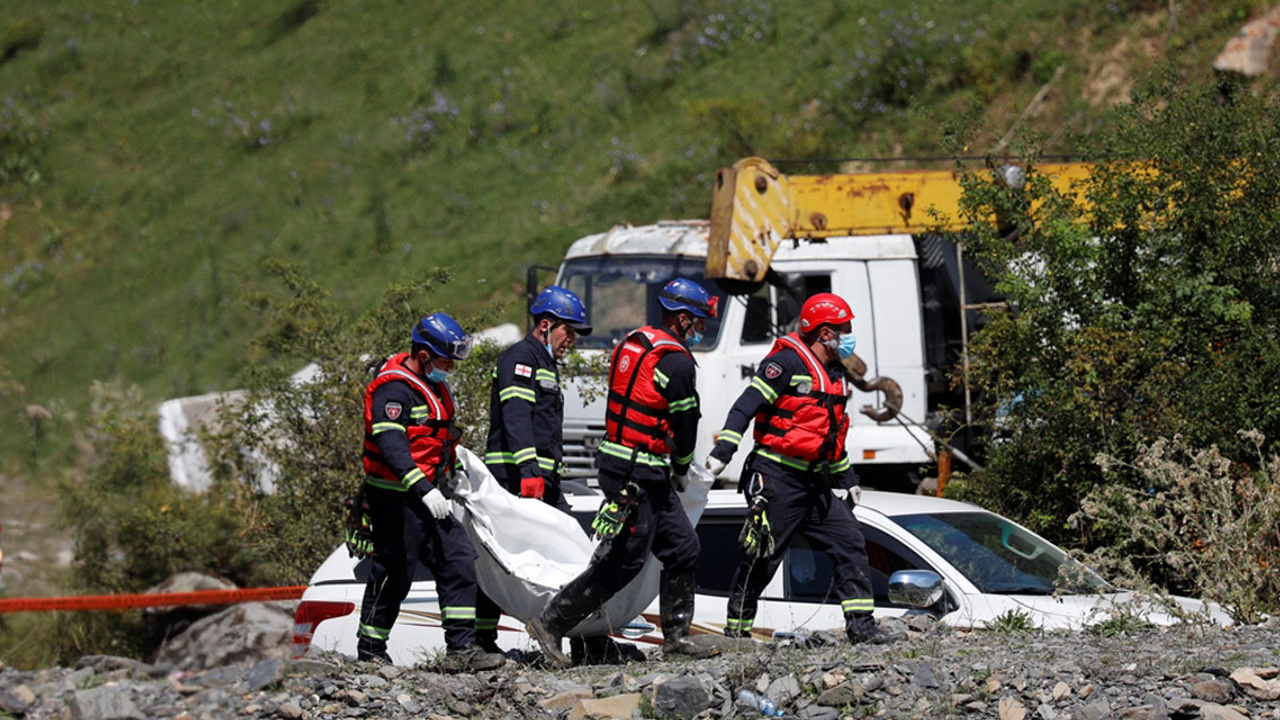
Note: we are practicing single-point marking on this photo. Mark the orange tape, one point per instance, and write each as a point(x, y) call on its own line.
point(142, 600)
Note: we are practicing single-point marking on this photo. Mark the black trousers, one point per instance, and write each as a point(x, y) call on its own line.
point(802, 503)
point(405, 533)
point(658, 525)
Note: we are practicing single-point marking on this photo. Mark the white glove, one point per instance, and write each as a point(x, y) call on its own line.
point(851, 496)
point(437, 503)
point(714, 466)
point(680, 482)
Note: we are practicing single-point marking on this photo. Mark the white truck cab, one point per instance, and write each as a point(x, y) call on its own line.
point(619, 273)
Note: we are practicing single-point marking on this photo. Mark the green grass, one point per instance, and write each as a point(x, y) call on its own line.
point(160, 153)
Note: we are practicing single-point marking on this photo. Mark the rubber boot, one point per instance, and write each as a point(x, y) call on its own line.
point(861, 627)
point(675, 606)
point(374, 651)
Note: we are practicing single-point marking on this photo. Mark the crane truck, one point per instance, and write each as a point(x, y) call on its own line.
point(772, 241)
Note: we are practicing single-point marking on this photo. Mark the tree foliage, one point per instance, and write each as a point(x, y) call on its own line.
point(1145, 306)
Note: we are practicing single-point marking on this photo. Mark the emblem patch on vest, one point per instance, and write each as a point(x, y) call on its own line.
point(393, 410)
point(772, 370)
point(624, 363)
point(524, 370)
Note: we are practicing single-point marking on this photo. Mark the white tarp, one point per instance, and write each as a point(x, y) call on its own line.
point(527, 549)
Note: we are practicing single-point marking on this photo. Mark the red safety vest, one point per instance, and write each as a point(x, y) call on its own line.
point(811, 426)
point(636, 413)
point(432, 439)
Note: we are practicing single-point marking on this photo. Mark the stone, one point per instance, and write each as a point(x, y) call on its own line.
point(564, 700)
point(841, 695)
point(16, 701)
point(1260, 684)
point(103, 703)
point(1217, 690)
point(784, 690)
point(1248, 51)
point(617, 707)
point(245, 633)
point(681, 697)
point(817, 712)
point(265, 674)
point(1061, 691)
point(924, 675)
point(1096, 710)
point(289, 711)
point(1011, 708)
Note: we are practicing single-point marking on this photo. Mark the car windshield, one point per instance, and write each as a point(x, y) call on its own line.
point(999, 557)
point(621, 294)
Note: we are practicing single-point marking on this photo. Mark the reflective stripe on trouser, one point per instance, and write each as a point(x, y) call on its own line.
point(828, 525)
point(660, 526)
point(508, 476)
point(404, 533)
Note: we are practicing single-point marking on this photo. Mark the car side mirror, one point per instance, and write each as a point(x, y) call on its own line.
point(915, 588)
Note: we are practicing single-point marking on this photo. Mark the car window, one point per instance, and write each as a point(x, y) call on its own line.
point(1000, 557)
point(719, 537)
point(809, 578)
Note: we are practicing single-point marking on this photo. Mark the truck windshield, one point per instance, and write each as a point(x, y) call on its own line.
point(621, 294)
point(1000, 557)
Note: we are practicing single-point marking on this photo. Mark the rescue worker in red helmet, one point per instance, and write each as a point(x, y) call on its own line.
point(410, 442)
point(651, 425)
point(797, 400)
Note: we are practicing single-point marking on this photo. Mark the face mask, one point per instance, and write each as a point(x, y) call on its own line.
point(844, 346)
point(437, 375)
point(695, 337)
point(549, 350)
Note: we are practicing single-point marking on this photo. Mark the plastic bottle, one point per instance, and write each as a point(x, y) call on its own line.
point(766, 706)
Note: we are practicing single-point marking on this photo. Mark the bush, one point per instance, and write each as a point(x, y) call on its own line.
point(1202, 524)
point(1147, 306)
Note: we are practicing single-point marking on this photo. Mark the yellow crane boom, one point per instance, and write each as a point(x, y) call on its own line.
point(755, 207)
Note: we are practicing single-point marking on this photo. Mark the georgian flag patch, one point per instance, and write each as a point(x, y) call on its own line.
point(393, 410)
point(524, 370)
point(772, 370)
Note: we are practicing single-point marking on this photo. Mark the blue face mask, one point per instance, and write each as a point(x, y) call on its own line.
point(437, 375)
point(844, 346)
point(550, 352)
point(694, 338)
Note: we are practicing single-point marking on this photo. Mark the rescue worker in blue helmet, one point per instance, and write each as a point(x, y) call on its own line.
point(651, 424)
point(410, 444)
point(798, 478)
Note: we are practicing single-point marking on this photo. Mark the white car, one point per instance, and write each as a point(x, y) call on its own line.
point(956, 561)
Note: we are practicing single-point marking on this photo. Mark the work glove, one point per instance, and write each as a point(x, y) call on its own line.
point(533, 487)
point(436, 503)
point(680, 481)
point(358, 535)
point(613, 514)
point(851, 496)
point(714, 466)
point(756, 537)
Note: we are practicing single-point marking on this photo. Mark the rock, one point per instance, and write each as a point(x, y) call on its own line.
point(924, 676)
point(267, 673)
point(617, 707)
point(1248, 51)
point(1216, 690)
point(289, 711)
point(103, 703)
point(1259, 683)
point(845, 694)
point(1061, 691)
point(564, 700)
point(784, 690)
point(817, 712)
point(1011, 708)
point(681, 697)
point(248, 632)
point(1096, 710)
point(16, 701)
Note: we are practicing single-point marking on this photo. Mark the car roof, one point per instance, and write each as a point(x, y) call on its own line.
point(886, 503)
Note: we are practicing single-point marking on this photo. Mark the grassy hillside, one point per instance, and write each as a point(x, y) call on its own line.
point(154, 154)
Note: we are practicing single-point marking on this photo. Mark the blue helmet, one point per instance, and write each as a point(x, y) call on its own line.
point(563, 305)
point(443, 335)
point(685, 294)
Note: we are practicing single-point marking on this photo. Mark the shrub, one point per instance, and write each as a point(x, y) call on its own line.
point(1202, 524)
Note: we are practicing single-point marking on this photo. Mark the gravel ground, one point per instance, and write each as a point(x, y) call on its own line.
point(1181, 672)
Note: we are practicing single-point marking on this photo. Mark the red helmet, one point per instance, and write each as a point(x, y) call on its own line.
point(824, 309)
